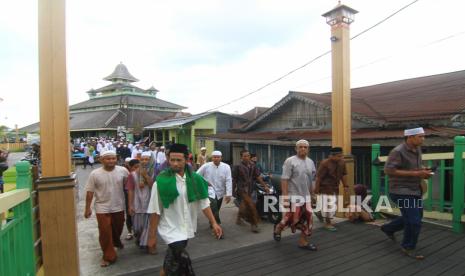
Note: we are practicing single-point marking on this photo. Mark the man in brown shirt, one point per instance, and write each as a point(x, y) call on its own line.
point(405, 171)
point(330, 173)
point(244, 177)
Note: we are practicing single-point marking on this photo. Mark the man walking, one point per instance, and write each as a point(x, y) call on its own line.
point(331, 172)
point(406, 173)
point(177, 196)
point(202, 157)
point(106, 184)
point(296, 187)
point(218, 176)
point(244, 176)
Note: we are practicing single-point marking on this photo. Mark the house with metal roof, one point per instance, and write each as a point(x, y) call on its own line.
point(118, 106)
point(189, 130)
point(379, 115)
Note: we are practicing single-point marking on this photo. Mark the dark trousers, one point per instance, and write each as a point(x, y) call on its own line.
point(411, 208)
point(215, 205)
point(128, 216)
point(177, 261)
point(87, 162)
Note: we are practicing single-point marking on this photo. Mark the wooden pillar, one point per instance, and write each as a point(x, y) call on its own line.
point(56, 185)
point(340, 19)
point(340, 96)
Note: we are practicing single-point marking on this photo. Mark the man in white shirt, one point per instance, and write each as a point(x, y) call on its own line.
point(177, 196)
point(136, 150)
point(160, 157)
point(106, 184)
point(218, 176)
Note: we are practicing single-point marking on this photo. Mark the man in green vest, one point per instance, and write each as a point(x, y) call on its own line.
point(178, 195)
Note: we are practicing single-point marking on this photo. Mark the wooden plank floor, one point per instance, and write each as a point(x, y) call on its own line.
point(356, 249)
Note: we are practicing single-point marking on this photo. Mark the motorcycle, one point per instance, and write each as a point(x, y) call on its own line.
point(272, 213)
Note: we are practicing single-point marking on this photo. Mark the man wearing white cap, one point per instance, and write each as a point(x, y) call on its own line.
point(406, 173)
point(106, 184)
point(296, 184)
point(218, 176)
point(202, 157)
point(135, 151)
point(160, 158)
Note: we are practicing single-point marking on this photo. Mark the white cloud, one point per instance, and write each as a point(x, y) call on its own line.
point(202, 54)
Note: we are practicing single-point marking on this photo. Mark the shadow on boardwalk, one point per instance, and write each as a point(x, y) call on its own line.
point(356, 249)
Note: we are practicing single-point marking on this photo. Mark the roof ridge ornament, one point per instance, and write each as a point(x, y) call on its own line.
point(121, 73)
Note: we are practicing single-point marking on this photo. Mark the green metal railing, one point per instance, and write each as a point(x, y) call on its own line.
point(457, 170)
point(16, 236)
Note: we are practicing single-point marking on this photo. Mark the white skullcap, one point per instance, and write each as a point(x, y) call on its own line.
point(127, 159)
point(203, 148)
point(108, 153)
point(146, 154)
point(302, 142)
point(414, 131)
point(162, 147)
point(217, 153)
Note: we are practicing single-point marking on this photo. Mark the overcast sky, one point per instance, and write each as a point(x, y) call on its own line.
point(201, 54)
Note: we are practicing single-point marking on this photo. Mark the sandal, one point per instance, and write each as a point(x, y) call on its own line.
point(152, 251)
point(309, 246)
point(331, 228)
point(412, 254)
point(276, 236)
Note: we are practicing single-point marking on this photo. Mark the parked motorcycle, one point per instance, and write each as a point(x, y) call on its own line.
point(271, 213)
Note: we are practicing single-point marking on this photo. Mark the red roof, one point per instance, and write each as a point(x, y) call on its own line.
point(253, 113)
point(430, 97)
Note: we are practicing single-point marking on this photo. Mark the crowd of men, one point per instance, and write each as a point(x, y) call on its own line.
point(160, 190)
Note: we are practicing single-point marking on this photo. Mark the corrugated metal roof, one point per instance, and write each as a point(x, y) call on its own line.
point(109, 119)
point(253, 113)
point(430, 97)
point(178, 121)
point(126, 99)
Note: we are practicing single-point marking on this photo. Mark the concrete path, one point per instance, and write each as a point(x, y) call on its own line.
point(132, 259)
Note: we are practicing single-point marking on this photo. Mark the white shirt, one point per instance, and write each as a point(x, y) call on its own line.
point(109, 146)
point(160, 157)
point(99, 147)
point(219, 177)
point(135, 151)
point(178, 222)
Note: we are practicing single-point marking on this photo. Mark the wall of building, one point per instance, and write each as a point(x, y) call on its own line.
point(223, 124)
point(301, 115)
point(296, 114)
point(203, 126)
point(184, 137)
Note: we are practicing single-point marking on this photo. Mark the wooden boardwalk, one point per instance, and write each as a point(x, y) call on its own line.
point(356, 249)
